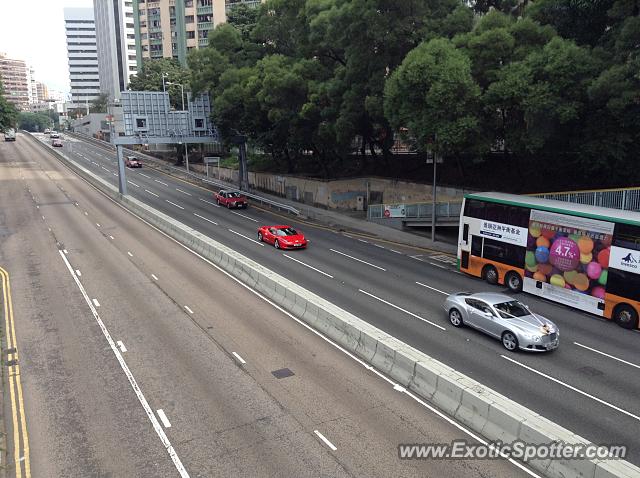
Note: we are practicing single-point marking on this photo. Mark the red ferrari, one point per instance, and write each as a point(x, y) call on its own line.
point(282, 237)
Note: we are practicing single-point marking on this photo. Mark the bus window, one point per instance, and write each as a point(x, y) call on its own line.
point(509, 254)
point(476, 246)
point(519, 216)
point(497, 213)
point(627, 236)
point(624, 284)
point(473, 208)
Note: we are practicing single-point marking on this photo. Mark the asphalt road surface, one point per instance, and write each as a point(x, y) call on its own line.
point(138, 358)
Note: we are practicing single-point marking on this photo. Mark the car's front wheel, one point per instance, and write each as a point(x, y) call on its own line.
point(260, 236)
point(455, 317)
point(509, 341)
point(277, 244)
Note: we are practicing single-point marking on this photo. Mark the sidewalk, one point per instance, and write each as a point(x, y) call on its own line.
point(340, 220)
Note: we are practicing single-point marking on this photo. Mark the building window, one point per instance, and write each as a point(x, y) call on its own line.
point(198, 123)
point(191, 34)
point(188, 3)
point(188, 19)
point(131, 37)
point(130, 25)
point(141, 123)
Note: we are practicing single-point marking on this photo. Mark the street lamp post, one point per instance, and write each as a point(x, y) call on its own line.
point(186, 145)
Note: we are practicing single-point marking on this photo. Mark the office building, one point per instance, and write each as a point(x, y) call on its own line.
point(82, 56)
point(170, 28)
point(116, 42)
point(16, 80)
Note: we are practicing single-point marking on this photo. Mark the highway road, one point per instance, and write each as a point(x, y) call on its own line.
point(589, 385)
point(138, 358)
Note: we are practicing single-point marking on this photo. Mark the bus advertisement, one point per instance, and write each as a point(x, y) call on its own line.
point(581, 256)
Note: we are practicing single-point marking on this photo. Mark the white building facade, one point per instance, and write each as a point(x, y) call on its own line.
point(116, 41)
point(82, 56)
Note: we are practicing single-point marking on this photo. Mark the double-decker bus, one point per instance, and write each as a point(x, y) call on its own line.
point(581, 256)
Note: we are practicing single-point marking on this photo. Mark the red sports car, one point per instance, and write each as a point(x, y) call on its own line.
point(282, 237)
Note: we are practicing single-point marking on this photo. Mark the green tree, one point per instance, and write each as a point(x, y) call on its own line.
point(34, 121)
point(8, 112)
point(244, 18)
point(434, 96)
point(100, 104)
point(150, 78)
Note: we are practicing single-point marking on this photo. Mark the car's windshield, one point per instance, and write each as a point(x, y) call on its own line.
point(287, 231)
point(234, 195)
point(511, 309)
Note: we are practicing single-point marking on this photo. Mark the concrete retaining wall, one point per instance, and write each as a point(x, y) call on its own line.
point(483, 410)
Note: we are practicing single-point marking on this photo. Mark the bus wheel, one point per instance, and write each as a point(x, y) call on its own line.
point(490, 274)
point(626, 316)
point(514, 281)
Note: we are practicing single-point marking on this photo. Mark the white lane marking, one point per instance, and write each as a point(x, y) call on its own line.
point(95, 302)
point(378, 245)
point(359, 260)
point(246, 217)
point(98, 224)
point(347, 235)
point(114, 174)
point(362, 240)
point(79, 274)
point(154, 277)
point(397, 252)
point(202, 217)
point(163, 418)
point(153, 194)
point(95, 163)
point(158, 181)
point(607, 355)
point(337, 346)
point(326, 442)
point(208, 202)
point(432, 288)
point(403, 310)
point(240, 359)
point(134, 384)
point(65, 251)
point(142, 174)
point(417, 258)
point(307, 265)
point(571, 387)
point(186, 307)
point(43, 218)
point(176, 205)
point(248, 238)
point(104, 168)
point(438, 265)
point(184, 192)
point(130, 255)
point(131, 182)
point(86, 213)
point(121, 345)
point(111, 237)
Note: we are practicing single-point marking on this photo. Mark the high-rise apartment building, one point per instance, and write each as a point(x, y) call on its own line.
point(42, 92)
point(170, 28)
point(82, 55)
point(16, 80)
point(116, 42)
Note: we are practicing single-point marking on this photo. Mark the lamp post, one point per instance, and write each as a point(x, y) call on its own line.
point(186, 145)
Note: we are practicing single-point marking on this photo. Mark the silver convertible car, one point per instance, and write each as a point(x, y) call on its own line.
point(503, 317)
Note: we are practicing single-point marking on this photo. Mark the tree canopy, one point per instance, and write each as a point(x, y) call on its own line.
point(8, 112)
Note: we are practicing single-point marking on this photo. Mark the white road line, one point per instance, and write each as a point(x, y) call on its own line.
point(95, 302)
point(403, 310)
point(362, 240)
point(337, 346)
point(111, 237)
point(607, 355)
point(397, 252)
point(417, 258)
point(163, 418)
point(131, 182)
point(240, 359)
point(432, 288)
point(121, 345)
point(95, 163)
point(130, 255)
point(78, 273)
point(248, 238)
point(142, 174)
point(359, 260)
point(114, 174)
point(65, 251)
point(153, 194)
point(208, 202)
point(571, 387)
point(86, 213)
point(202, 217)
point(176, 205)
point(158, 181)
point(378, 245)
point(184, 192)
point(154, 277)
point(104, 168)
point(307, 265)
point(98, 224)
point(438, 265)
point(134, 384)
point(326, 442)
point(246, 217)
point(186, 307)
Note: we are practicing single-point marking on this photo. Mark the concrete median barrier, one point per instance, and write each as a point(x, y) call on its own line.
point(483, 410)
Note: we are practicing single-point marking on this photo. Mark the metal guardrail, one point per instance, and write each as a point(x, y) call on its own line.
point(448, 209)
point(200, 177)
point(624, 199)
